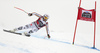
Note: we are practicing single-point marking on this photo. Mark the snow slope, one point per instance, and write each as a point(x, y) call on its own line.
point(59, 43)
point(63, 14)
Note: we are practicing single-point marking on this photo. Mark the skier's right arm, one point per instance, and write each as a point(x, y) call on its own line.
point(34, 13)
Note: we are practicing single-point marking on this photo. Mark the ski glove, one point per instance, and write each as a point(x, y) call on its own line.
point(29, 14)
point(48, 36)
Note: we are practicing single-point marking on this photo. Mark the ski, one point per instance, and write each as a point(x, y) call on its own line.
point(12, 32)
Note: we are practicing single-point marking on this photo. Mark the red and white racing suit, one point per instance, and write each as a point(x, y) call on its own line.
point(36, 25)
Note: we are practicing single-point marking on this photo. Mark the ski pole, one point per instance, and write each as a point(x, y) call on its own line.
point(21, 9)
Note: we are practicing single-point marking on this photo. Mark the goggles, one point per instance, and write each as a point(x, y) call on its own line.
point(46, 18)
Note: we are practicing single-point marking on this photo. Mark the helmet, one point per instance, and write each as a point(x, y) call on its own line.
point(45, 16)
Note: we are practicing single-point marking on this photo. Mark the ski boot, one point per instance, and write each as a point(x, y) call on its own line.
point(26, 34)
point(13, 30)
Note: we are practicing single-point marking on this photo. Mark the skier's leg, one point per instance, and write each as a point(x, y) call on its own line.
point(29, 32)
point(33, 29)
point(22, 27)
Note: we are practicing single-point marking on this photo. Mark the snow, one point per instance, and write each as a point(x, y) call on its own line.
point(59, 43)
point(61, 25)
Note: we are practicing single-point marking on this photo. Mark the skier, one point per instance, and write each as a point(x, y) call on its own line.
point(36, 25)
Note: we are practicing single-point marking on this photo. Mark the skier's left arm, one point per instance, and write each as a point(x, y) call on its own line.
point(47, 29)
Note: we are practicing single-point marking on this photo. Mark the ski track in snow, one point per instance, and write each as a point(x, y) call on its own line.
point(13, 47)
point(42, 37)
point(87, 47)
point(27, 51)
point(67, 43)
point(24, 50)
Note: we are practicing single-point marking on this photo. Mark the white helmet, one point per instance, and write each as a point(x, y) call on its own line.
point(46, 16)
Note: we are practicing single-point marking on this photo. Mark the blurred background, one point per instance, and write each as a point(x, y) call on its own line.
point(63, 15)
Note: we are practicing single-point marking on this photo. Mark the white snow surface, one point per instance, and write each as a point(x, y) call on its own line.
point(60, 42)
point(61, 25)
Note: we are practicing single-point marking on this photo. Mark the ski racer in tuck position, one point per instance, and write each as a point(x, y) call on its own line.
point(36, 25)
